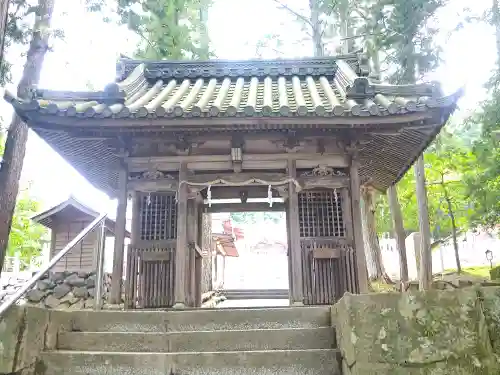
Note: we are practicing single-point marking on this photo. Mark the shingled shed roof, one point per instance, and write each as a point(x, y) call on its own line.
point(326, 94)
point(70, 210)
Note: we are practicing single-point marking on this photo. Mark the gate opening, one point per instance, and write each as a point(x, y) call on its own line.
point(250, 264)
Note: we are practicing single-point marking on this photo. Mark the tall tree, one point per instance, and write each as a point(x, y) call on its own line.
point(483, 183)
point(374, 261)
point(17, 134)
point(4, 13)
point(168, 29)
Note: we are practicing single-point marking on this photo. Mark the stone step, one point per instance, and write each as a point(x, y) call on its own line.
point(201, 320)
point(290, 362)
point(199, 341)
point(255, 293)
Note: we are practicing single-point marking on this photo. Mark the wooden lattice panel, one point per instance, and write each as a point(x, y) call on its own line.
point(150, 277)
point(158, 217)
point(320, 214)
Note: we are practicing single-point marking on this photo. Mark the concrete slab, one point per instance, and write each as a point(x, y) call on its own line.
point(300, 362)
point(202, 319)
point(230, 303)
point(285, 339)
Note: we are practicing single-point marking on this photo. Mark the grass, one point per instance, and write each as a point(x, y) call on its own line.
point(477, 271)
point(482, 272)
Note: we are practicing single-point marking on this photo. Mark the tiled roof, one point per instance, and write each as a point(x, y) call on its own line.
point(279, 88)
point(332, 95)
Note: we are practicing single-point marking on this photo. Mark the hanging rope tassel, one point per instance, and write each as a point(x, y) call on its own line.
point(270, 196)
point(209, 196)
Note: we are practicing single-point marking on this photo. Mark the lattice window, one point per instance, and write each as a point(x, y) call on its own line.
point(320, 214)
point(158, 217)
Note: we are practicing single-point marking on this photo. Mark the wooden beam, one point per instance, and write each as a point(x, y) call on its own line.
point(244, 207)
point(221, 162)
point(399, 233)
point(182, 243)
point(223, 192)
point(362, 274)
point(425, 273)
point(120, 223)
point(296, 250)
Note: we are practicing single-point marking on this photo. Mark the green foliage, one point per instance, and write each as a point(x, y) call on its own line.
point(19, 31)
point(484, 179)
point(25, 236)
point(448, 166)
point(257, 217)
point(169, 29)
point(495, 273)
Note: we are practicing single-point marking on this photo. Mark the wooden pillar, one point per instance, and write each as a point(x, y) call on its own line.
point(197, 286)
point(131, 276)
point(289, 255)
point(120, 224)
point(357, 227)
point(295, 248)
point(181, 247)
point(425, 272)
point(191, 256)
point(399, 233)
point(198, 266)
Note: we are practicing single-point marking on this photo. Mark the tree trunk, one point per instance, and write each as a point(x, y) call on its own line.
point(453, 227)
point(425, 270)
point(4, 14)
point(17, 134)
point(376, 270)
point(204, 38)
point(399, 233)
point(314, 7)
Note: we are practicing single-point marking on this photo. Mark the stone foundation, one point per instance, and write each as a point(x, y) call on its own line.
point(62, 290)
point(420, 333)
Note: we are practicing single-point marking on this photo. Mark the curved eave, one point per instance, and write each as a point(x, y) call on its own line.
point(31, 114)
point(93, 158)
point(382, 143)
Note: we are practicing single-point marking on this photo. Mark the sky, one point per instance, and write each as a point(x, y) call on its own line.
point(89, 51)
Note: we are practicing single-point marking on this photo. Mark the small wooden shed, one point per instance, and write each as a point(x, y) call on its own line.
point(65, 221)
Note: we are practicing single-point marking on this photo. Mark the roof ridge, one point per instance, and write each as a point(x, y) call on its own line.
point(168, 69)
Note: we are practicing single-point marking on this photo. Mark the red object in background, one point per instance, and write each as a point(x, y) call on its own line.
point(229, 229)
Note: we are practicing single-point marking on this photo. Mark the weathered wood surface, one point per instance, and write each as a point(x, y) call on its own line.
point(295, 257)
point(119, 245)
point(328, 259)
point(425, 271)
point(361, 270)
point(150, 277)
point(182, 241)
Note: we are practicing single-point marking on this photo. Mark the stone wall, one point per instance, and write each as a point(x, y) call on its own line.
point(420, 333)
point(61, 290)
point(25, 331)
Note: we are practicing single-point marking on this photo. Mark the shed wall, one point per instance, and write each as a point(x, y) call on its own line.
point(82, 256)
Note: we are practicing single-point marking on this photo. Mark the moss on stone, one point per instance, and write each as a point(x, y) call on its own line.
point(433, 332)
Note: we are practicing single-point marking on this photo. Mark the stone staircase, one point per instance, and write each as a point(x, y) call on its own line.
point(291, 341)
